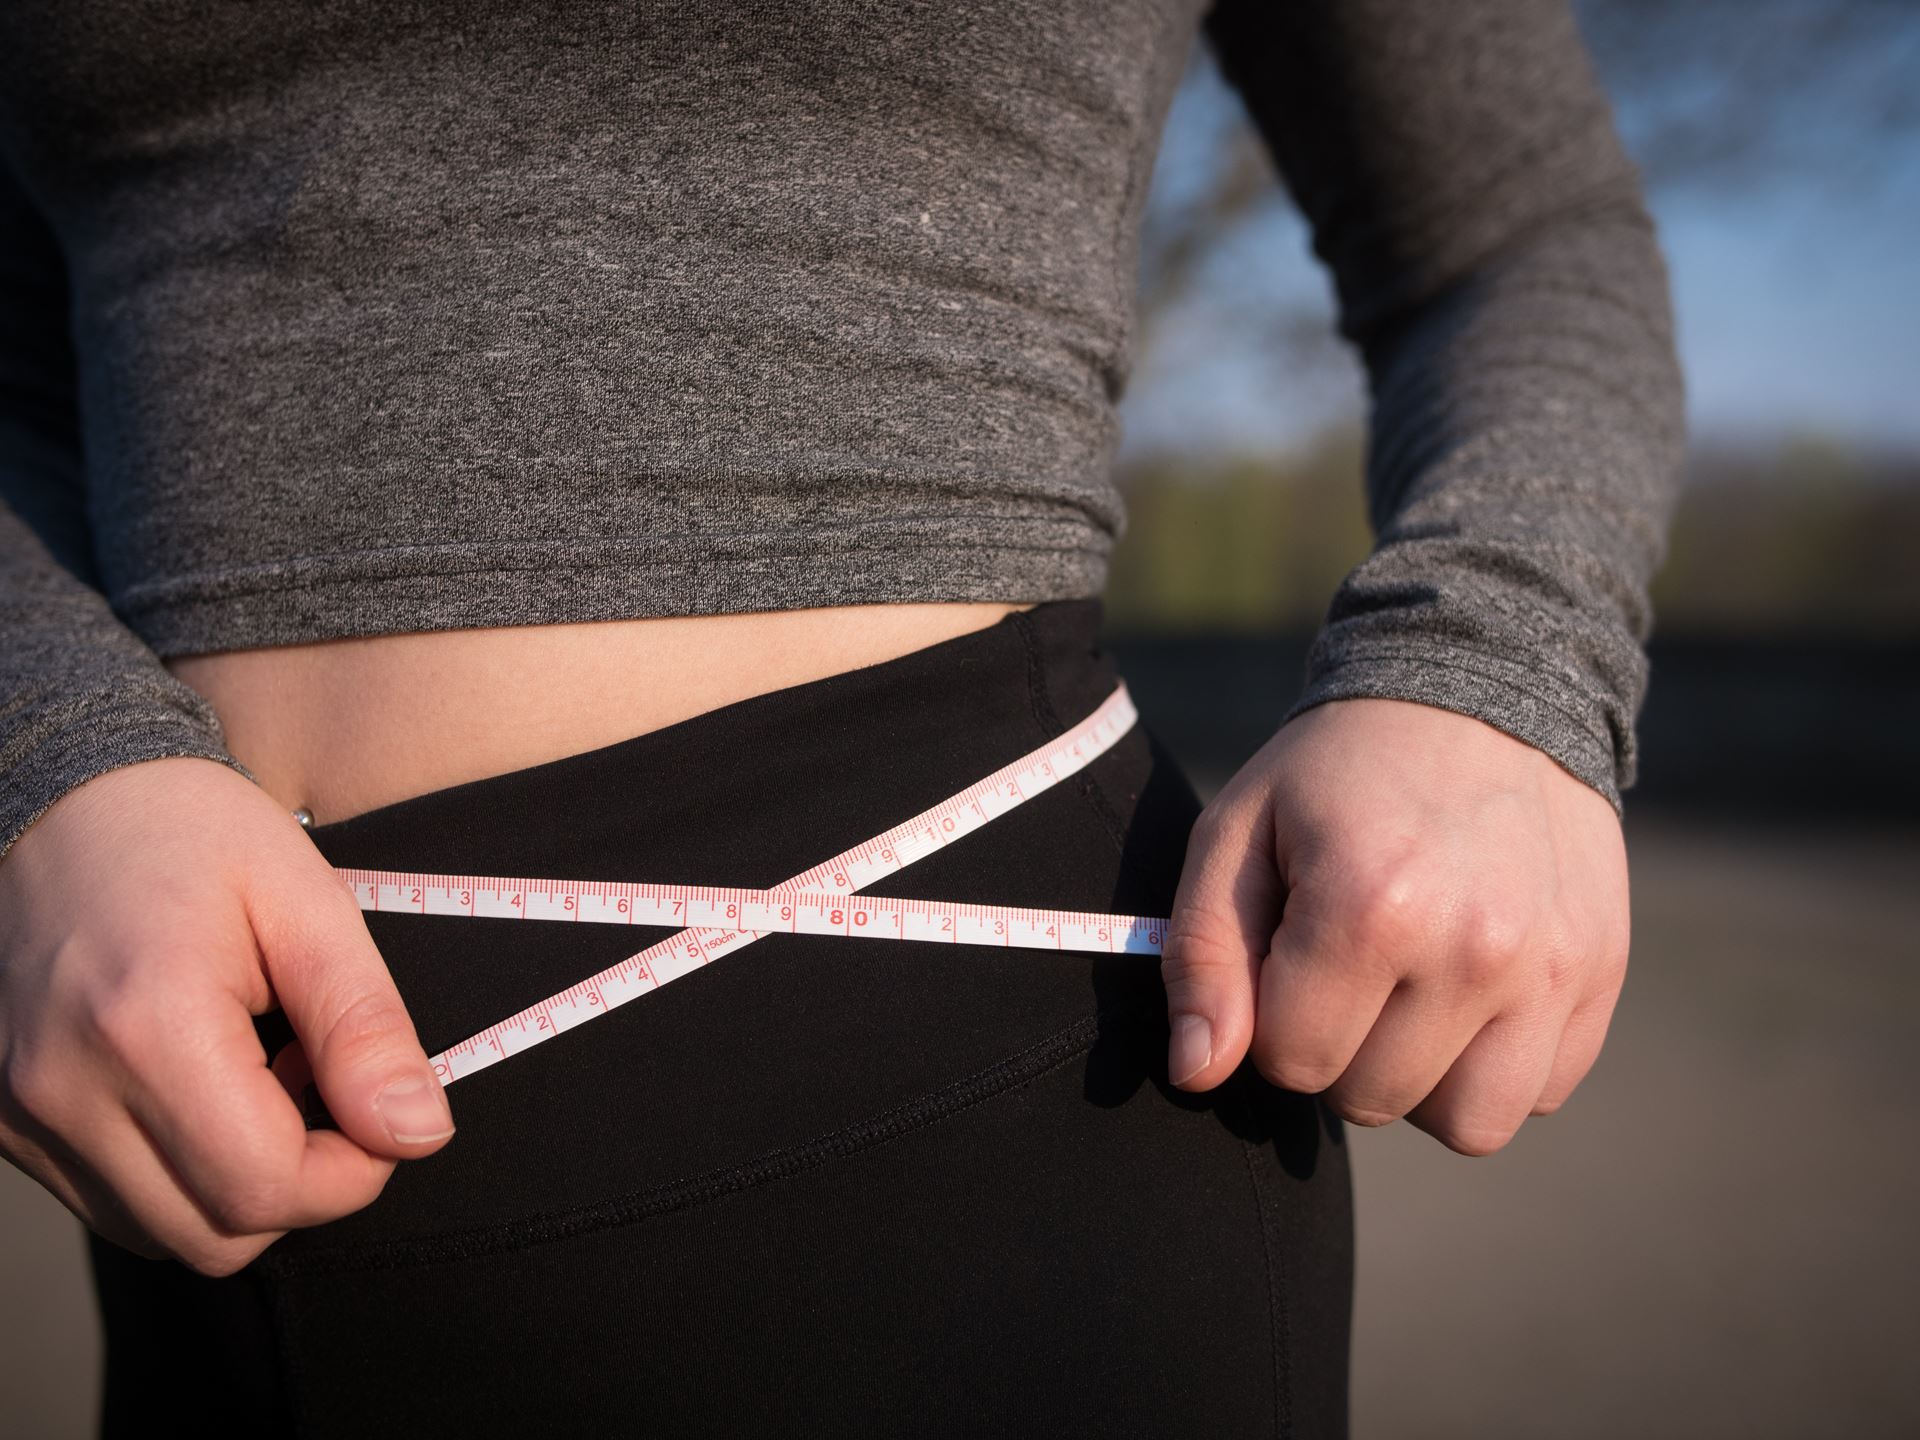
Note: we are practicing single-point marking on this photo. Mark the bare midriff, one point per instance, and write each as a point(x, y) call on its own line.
point(340, 727)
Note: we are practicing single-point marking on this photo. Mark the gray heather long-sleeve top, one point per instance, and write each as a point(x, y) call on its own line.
point(328, 318)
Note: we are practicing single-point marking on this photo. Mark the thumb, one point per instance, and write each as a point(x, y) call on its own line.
point(353, 1028)
point(1225, 911)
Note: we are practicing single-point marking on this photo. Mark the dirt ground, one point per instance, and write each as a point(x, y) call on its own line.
point(1708, 1240)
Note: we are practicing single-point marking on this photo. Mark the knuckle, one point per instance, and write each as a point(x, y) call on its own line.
point(303, 917)
point(1476, 967)
point(141, 1244)
point(251, 1205)
point(1364, 1110)
point(1613, 961)
point(333, 904)
point(367, 1027)
point(33, 1088)
point(1476, 1126)
point(1496, 934)
point(1302, 1074)
point(1561, 964)
point(1476, 1141)
point(121, 1004)
point(1298, 1077)
point(1198, 948)
point(1370, 1116)
point(1385, 910)
point(216, 1258)
point(120, 1019)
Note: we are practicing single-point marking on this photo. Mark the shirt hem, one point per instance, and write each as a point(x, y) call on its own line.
point(334, 597)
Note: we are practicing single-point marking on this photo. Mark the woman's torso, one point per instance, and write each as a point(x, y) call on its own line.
point(425, 353)
point(422, 352)
point(818, 1187)
point(345, 726)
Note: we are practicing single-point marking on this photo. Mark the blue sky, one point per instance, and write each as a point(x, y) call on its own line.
point(1797, 297)
point(1800, 307)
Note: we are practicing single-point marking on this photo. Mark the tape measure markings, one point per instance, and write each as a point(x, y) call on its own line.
point(712, 933)
point(783, 910)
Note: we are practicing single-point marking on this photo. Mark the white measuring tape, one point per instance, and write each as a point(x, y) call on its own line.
point(820, 901)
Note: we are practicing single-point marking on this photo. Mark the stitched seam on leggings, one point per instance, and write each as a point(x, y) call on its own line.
point(1048, 717)
point(689, 1191)
point(1276, 1301)
point(285, 1355)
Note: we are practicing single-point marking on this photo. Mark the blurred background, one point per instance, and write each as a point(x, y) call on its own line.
point(1716, 1236)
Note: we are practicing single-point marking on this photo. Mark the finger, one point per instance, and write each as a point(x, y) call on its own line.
point(1320, 996)
point(341, 1001)
point(234, 1134)
point(122, 1172)
point(1487, 1094)
point(48, 1164)
point(1225, 910)
point(1578, 1049)
point(101, 1213)
point(1420, 1032)
point(50, 1119)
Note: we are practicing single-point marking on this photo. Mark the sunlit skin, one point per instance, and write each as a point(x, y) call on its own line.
point(1454, 931)
point(345, 726)
point(1407, 909)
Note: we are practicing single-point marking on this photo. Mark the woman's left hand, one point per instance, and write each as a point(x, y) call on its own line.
point(1407, 909)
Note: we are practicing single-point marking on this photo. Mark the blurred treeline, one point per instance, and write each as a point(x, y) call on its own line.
point(1246, 542)
point(1243, 468)
point(1814, 536)
point(1805, 536)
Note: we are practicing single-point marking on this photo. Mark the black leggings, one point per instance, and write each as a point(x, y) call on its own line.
point(822, 1185)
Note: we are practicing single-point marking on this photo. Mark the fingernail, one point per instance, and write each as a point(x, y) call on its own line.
point(415, 1110)
point(1192, 1047)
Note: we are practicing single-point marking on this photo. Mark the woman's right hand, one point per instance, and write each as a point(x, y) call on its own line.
point(145, 917)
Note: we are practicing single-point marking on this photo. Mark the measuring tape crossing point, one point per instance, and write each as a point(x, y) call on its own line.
point(793, 912)
point(822, 900)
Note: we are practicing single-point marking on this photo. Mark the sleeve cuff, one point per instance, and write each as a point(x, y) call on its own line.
point(29, 789)
point(1521, 701)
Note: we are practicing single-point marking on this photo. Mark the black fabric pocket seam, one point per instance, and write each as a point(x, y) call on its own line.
point(1010, 1073)
point(1276, 1299)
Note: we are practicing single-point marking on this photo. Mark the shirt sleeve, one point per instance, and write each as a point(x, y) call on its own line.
point(1497, 270)
point(80, 694)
